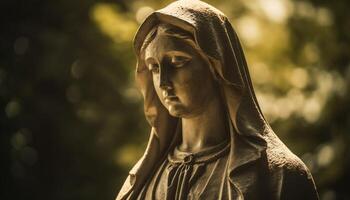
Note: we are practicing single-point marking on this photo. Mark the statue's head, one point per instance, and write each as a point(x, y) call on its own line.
point(181, 73)
point(188, 54)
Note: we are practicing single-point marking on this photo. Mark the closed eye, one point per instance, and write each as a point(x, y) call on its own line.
point(179, 61)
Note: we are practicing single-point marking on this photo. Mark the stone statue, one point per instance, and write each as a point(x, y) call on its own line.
point(209, 138)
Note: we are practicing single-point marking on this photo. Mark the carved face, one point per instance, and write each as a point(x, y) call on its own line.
point(181, 76)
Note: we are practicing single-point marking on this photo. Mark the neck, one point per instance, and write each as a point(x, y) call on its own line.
point(207, 129)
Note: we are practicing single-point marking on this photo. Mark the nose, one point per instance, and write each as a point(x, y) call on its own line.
point(164, 82)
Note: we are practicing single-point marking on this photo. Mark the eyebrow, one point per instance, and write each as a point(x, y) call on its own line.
point(179, 53)
point(169, 53)
point(151, 60)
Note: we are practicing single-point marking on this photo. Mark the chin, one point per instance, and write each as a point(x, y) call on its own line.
point(177, 111)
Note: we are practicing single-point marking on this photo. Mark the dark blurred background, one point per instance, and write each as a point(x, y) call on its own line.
point(71, 119)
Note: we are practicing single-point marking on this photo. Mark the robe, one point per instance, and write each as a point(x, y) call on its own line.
point(185, 175)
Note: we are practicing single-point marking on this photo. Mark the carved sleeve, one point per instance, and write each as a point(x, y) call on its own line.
point(298, 184)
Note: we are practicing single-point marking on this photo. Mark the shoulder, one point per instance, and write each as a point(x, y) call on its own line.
point(288, 172)
point(280, 157)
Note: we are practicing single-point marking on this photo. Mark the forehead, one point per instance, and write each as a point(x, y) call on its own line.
point(163, 43)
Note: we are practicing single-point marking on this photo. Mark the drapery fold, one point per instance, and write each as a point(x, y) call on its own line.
point(186, 175)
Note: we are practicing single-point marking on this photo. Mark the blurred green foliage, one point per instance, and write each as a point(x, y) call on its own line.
point(71, 119)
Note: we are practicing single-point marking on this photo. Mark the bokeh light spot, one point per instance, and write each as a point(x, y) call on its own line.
point(249, 29)
point(73, 94)
point(325, 155)
point(276, 10)
point(324, 17)
point(113, 23)
point(299, 77)
point(77, 69)
point(142, 13)
point(304, 9)
point(18, 140)
point(12, 109)
point(127, 155)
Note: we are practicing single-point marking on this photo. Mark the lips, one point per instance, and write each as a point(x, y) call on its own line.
point(168, 97)
point(171, 98)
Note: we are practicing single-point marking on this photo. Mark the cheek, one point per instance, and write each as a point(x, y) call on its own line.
point(195, 82)
point(189, 76)
point(190, 83)
point(156, 87)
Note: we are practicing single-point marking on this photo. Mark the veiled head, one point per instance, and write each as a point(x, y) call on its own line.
point(211, 34)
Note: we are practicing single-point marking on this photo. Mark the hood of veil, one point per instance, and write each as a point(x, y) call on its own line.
point(216, 37)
